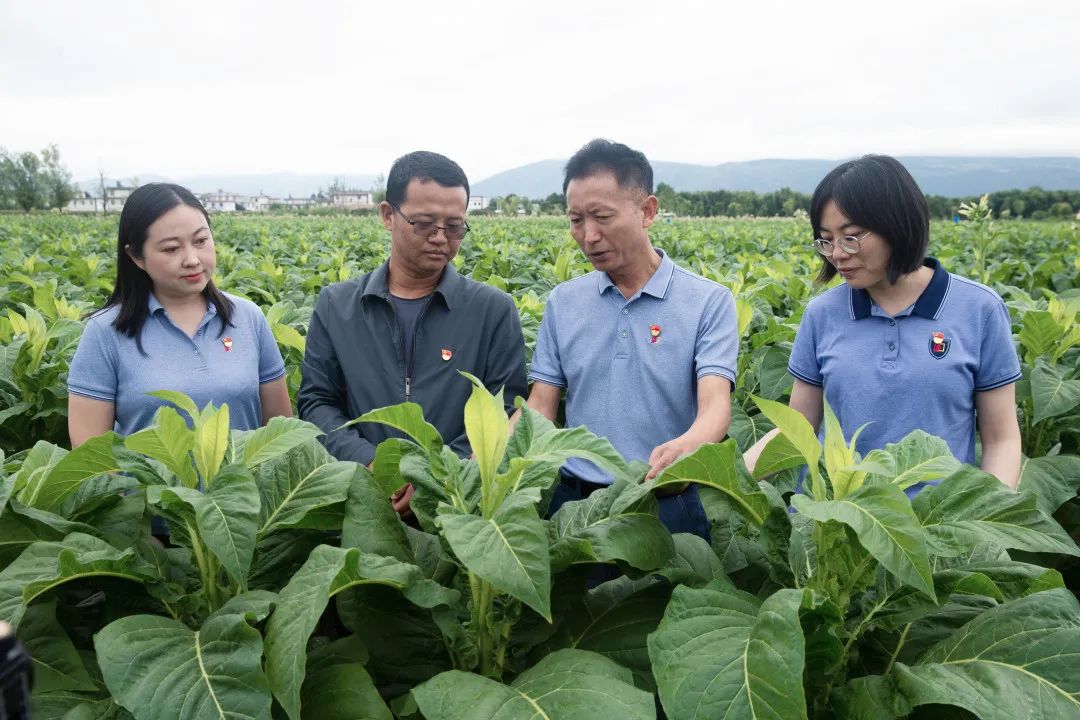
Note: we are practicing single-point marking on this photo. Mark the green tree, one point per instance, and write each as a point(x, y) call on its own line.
point(55, 179)
point(378, 189)
point(29, 192)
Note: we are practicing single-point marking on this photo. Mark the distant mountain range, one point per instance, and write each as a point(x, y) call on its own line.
point(950, 176)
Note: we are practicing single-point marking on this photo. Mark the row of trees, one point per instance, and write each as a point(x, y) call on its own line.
point(33, 181)
point(1034, 203)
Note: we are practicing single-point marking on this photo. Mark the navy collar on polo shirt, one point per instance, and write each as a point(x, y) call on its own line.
point(378, 284)
point(927, 306)
point(657, 285)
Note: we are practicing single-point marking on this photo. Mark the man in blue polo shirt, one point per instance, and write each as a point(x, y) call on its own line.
point(645, 350)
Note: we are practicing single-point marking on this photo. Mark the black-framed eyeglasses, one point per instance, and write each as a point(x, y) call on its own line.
point(850, 244)
point(427, 228)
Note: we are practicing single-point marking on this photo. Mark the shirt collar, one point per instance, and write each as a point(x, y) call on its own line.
point(927, 306)
point(153, 305)
point(657, 285)
point(449, 287)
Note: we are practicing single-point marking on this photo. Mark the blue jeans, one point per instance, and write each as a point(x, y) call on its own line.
point(680, 513)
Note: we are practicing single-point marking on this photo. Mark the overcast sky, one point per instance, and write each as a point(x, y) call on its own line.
point(179, 88)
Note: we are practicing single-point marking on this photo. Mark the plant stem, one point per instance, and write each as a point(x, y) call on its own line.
point(899, 645)
point(206, 569)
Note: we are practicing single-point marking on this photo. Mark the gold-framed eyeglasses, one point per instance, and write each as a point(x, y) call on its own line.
point(850, 244)
point(427, 228)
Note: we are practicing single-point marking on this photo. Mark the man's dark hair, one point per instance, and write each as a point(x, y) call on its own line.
point(877, 193)
point(424, 166)
point(630, 167)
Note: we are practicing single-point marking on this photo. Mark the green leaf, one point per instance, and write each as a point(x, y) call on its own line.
point(409, 419)
point(49, 489)
point(724, 653)
point(797, 430)
point(694, 563)
point(882, 518)
point(343, 692)
point(46, 565)
point(211, 441)
point(509, 550)
point(774, 380)
point(779, 454)
point(276, 438)
point(18, 532)
point(1039, 333)
point(971, 506)
point(747, 429)
point(159, 669)
point(589, 530)
point(56, 662)
point(370, 521)
point(487, 427)
point(715, 466)
point(565, 685)
point(254, 605)
point(178, 399)
point(41, 458)
point(169, 441)
point(1052, 394)
point(387, 464)
point(227, 516)
point(300, 482)
point(1052, 480)
point(327, 572)
point(918, 457)
point(1016, 660)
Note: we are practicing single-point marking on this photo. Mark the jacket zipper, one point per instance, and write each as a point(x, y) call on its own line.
point(412, 352)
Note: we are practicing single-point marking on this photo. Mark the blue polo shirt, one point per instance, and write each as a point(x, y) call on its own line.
point(919, 368)
point(630, 367)
point(108, 366)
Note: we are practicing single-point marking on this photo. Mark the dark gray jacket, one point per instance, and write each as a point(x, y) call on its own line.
point(354, 360)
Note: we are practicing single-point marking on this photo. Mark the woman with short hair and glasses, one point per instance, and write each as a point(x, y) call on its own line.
point(167, 327)
point(902, 344)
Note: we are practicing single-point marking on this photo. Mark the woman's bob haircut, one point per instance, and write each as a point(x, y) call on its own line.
point(877, 193)
point(131, 293)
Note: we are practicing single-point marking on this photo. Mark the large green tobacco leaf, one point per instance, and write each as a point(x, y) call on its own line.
point(300, 604)
point(694, 563)
point(1051, 392)
point(747, 429)
point(56, 662)
point(277, 437)
point(882, 518)
point(227, 516)
point(779, 454)
point(918, 457)
point(509, 550)
point(370, 522)
point(38, 461)
point(716, 466)
point(566, 685)
point(796, 429)
point(971, 506)
point(47, 490)
point(774, 380)
point(614, 620)
point(159, 669)
point(409, 419)
point(387, 464)
point(343, 692)
point(1053, 480)
point(587, 530)
point(1017, 660)
point(46, 565)
point(298, 483)
point(725, 653)
point(487, 427)
point(169, 441)
point(211, 441)
point(18, 533)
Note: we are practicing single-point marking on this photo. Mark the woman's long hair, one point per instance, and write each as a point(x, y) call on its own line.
point(131, 293)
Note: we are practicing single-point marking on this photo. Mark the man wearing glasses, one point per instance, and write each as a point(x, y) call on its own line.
point(402, 332)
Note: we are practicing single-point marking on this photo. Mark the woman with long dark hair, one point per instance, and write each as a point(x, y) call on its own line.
point(902, 344)
point(167, 327)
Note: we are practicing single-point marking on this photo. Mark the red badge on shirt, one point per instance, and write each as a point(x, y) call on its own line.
point(654, 334)
point(227, 342)
point(447, 353)
point(939, 344)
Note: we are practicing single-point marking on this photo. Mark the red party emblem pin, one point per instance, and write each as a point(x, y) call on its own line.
point(227, 342)
point(939, 344)
point(654, 333)
point(447, 353)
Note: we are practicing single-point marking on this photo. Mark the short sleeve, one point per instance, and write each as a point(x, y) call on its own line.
point(716, 348)
point(804, 363)
point(271, 366)
point(546, 363)
point(998, 362)
point(93, 370)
